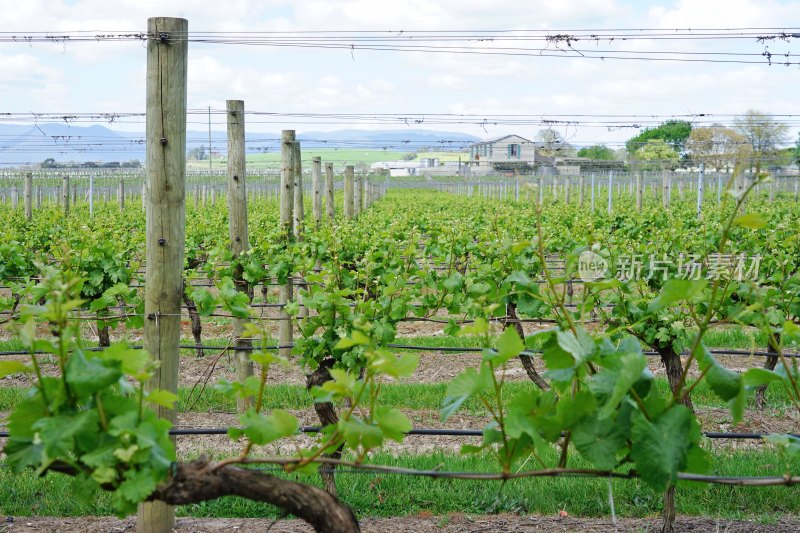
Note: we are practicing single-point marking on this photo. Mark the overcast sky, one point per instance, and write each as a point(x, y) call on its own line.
point(109, 77)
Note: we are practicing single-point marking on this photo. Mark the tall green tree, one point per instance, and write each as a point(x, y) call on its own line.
point(764, 133)
point(656, 154)
point(673, 132)
point(599, 152)
point(796, 157)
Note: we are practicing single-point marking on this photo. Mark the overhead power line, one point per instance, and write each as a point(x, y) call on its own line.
point(598, 44)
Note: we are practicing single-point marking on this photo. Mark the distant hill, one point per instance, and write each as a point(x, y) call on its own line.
point(31, 144)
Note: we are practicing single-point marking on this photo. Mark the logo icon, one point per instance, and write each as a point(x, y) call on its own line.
point(591, 266)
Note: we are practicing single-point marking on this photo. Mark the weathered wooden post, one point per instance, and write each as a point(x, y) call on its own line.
point(91, 194)
point(65, 194)
point(541, 190)
point(299, 217)
point(316, 189)
point(237, 218)
point(167, 48)
point(28, 194)
point(348, 192)
point(358, 193)
point(639, 192)
point(610, 190)
point(567, 189)
point(144, 195)
point(580, 190)
point(121, 194)
point(701, 176)
point(665, 190)
point(329, 190)
point(299, 210)
point(287, 202)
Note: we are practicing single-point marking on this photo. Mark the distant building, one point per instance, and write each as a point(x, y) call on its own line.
point(510, 152)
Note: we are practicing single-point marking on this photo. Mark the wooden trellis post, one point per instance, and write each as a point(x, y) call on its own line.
point(237, 218)
point(349, 200)
point(28, 193)
point(299, 210)
point(329, 190)
point(65, 194)
point(316, 189)
point(358, 193)
point(288, 153)
point(167, 49)
point(701, 176)
point(638, 191)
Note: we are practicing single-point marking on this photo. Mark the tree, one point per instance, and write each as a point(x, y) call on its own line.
point(716, 146)
point(198, 153)
point(673, 132)
point(551, 143)
point(796, 156)
point(49, 163)
point(598, 152)
point(763, 133)
point(657, 155)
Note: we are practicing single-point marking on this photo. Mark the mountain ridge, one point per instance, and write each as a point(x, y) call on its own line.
point(30, 144)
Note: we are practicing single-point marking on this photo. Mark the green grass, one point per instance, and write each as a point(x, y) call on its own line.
point(338, 156)
point(415, 396)
point(429, 396)
point(386, 495)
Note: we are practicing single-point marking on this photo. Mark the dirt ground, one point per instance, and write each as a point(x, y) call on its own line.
point(452, 523)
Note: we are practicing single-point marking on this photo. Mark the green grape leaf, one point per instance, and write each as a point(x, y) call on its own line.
point(453, 282)
point(751, 221)
point(676, 290)
point(599, 440)
point(358, 433)
point(757, 377)
point(162, 397)
point(392, 422)
point(263, 429)
point(356, 338)
point(660, 448)
point(581, 347)
point(87, 376)
point(632, 366)
point(13, 367)
point(463, 387)
point(509, 345)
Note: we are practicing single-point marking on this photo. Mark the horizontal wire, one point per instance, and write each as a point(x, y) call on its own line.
point(443, 349)
point(436, 432)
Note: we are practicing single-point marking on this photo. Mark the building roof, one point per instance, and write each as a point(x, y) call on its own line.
point(498, 139)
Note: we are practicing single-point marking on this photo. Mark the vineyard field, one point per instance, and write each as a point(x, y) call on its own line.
point(595, 359)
